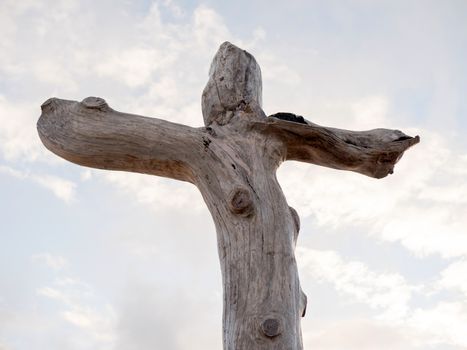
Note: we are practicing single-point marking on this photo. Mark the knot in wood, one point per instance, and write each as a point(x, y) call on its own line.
point(240, 202)
point(271, 327)
point(95, 103)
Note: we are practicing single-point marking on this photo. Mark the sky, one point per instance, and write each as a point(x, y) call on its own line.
point(93, 259)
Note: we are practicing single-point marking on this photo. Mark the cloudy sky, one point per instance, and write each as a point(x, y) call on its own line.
point(105, 260)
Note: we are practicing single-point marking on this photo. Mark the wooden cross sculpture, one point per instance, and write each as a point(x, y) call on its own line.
point(233, 161)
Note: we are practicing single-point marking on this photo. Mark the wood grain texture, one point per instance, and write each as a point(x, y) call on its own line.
point(256, 250)
point(233, 162)
point(373, 153)
point(92, 134)
point(234, 83)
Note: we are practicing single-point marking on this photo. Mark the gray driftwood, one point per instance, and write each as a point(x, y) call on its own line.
point(233, 162)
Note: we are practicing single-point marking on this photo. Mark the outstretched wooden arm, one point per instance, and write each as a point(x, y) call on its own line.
point(373, 153)
point(92, 134)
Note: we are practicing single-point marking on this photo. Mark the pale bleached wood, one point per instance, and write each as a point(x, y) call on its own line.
point(373, 153)
point(92, 134)
point(256, 233)
point(233, 162)
point(234, 83)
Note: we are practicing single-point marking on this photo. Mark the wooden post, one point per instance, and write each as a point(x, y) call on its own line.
point(233, 162)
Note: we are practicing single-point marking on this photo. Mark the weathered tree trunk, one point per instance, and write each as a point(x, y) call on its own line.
point(233, 162)
point(256, 234)
point(256, 230)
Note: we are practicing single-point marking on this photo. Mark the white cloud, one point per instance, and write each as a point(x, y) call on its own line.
point(81, 308)
point(369, 113)
point(23, 62)
point(152, 316)
point(437, 323)
point(175, 9)
point(55, 262)
point(356, 334)
point(160, 194)
point(18, 135)
point(4, 347)
point(454, 277)
point(443, 324)
point(426, 231)
point(86, 175)
point(99, 323)
point(49, 72)
point(274, 70)
point(389, 293)
point(61, 188)
point(53, 293)
point(209, 28)
point(133, 66)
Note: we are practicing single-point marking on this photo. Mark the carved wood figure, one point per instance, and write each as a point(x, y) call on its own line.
point(233, 161)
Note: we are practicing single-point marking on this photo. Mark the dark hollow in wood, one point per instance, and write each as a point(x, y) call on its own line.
point(304, 302)
point(296, 219)
point(289, 117)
